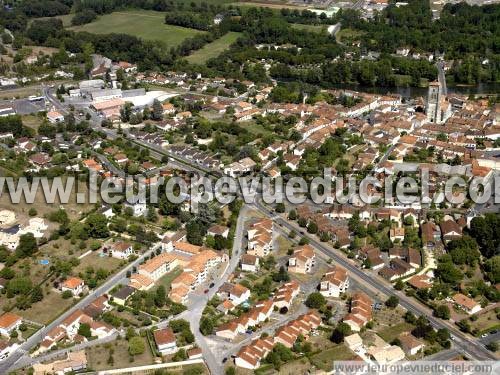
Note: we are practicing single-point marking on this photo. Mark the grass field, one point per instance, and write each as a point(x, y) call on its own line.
point(390, 333)
point(324, 360)
point(168, 278)
point(147, 25)
point(267, 4)
point(213, 49)
point(311, 28)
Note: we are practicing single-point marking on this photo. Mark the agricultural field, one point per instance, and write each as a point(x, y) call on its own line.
point(147, 25)
point(213, 49)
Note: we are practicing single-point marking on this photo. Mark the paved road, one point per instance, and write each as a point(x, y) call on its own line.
point(469, 346)
point(441, 77)
point(31, 342)
point(197, 303)
point(28, 361)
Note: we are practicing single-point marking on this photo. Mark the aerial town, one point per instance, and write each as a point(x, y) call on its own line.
point(144, 94)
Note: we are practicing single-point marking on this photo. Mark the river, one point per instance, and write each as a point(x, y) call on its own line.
point(412, 92)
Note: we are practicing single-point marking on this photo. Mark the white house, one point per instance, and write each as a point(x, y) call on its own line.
point(54, 117)
point(9, 322)
point(6, 348)
point(74, 284)
point(334, 282)
point(121, 250)
point(165, 341)
point(239, 294)
point(139, 208)
point(467, 304)
point(249, 263)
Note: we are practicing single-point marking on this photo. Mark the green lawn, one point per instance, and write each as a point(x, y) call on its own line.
point(390, 333)
point(311, 28)
point(213, 49)
point(148, 25)
point(324, 360)
point(168, 278)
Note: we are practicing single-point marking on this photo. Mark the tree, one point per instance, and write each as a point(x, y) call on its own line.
point(315, 300)
point(280, 207)
point(157, 112)
point(27, 245)
point(392, 302)
point(492, 346)
point(281, 275)
point(160, 296)
point(181, 355)
point(464, 325)
point(36, 294)
point(442, 311)
point(292, 215)
point(448, 273)
point(194, 233)
point(136, 346)
point(206, 326)
point(399, 285)
point(96, 226)
point(342, 330)
point(312, 227)
point(84, 330)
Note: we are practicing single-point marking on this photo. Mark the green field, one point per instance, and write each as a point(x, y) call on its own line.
point(310, 28)
point(213, 49)
point(147, 25)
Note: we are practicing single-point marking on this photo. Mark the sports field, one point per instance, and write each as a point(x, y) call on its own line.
point(147, 25)
point(213, 49)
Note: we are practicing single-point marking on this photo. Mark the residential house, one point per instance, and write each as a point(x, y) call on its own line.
point(450, 230)
point(360, 312)
point(467, 304)
point(260, 238)
point(123, 294)
point(165, 341)
point(218, 230)
point(431, 235)
point(334, 282)
point(302, 260)
point(55, 117)
point(283, 297)
point(73, 284)
point(9, 322)
point(6, 348)
point(249, 263)
point(121, 250)
point(410, 344)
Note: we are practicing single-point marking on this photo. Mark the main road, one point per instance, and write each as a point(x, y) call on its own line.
point(469, 346)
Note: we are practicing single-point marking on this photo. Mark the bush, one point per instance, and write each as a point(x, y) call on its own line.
point(315, 300)
point(392, 302)
point(66, 294)
point(83, 17)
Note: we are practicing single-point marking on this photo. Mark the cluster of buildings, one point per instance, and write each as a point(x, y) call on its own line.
point(258, 314)
point(360, 311)
point(196, 262)
point(250, 356)
point(68, 329)
point(11, 233)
